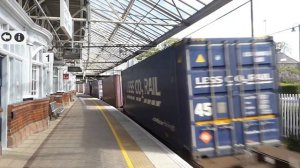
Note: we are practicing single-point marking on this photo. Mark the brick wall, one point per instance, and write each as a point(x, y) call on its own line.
point(26, 118)
point(62, 98)
point(66, 98)
point(72, 95)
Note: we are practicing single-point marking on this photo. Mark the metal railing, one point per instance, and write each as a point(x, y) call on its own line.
point(290, 114)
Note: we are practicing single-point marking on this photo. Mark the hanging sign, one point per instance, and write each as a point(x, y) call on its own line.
point(66, 22)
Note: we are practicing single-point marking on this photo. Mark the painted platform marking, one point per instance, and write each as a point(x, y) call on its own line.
point(124, 152)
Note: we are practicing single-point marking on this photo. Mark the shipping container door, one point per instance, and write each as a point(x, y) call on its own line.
point(232, 96)
point(212, 101)
point(100, 89)
point(257, 103)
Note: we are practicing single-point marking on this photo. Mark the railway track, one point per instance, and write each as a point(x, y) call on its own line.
point(260, 157)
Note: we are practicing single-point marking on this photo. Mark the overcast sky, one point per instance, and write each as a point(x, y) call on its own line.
point(269, 16)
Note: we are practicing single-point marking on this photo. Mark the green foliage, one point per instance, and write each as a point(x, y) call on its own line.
point(156, 49)
point(289, 88)
point(293, 143)
point(289, 74)
point(147, 53)
point(283, 47)
point(293, 70)
point(167, 43)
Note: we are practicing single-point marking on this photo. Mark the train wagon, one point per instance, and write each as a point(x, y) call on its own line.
point(112, 91)
point(87, 88)
point(207, 97)
point(80, 88)
point(96, 89)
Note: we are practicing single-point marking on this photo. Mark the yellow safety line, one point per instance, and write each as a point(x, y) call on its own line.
point(228, 121)
point(124, 153)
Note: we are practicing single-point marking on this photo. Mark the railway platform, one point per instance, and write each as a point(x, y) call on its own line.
point(91, 134)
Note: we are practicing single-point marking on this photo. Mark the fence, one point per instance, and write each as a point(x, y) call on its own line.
point(290, 112)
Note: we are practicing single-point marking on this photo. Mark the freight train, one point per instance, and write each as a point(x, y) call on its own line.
point(92, 88)
point(205, 97)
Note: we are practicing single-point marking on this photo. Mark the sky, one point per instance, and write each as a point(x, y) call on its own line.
point(270, 16)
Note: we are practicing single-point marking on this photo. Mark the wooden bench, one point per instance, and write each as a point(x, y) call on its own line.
point(55, 110)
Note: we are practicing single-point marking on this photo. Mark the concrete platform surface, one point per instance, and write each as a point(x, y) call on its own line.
point(91, 134)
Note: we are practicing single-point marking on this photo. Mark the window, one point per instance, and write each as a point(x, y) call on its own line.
point(55, 79)
point(15, 82)
point(11, 81)
point(18, 80)
point(35, 82)
point(47, 81)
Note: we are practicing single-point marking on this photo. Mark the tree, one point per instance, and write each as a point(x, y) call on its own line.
point(282, 47)
point(147, 53)
point(167, 43)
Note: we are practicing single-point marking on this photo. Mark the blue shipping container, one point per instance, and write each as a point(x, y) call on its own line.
point(208, 97)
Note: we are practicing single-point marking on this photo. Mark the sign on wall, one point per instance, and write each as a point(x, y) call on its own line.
point(13, 37)
point(66, 22)
point(74, 69)
point(66, 76)
point(48, 57)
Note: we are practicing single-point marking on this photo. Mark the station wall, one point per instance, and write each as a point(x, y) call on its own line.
point(26, 73)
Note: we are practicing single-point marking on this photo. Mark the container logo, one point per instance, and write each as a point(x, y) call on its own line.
point(200, 59)
point(218, 81)
point(257, 53)
point(205, 137)
point(145, 91)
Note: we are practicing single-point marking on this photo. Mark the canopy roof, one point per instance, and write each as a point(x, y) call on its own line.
point(110, 32)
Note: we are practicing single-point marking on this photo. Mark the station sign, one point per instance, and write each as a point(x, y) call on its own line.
point(72, 54)
point(13, 37)
point(66, 22)
point(66, 76)
point(74, 69)
point(48, 57)
point(80, 82)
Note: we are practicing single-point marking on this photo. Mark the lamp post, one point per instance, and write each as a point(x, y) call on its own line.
point(252, 24)
point(299, 43)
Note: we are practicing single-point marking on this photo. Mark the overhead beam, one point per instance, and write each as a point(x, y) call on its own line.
point(92, 76)
point(113, 9)
point(105, 21)
point(102, 62)
point(108, 43)
point(124, 16)
point(41, 10)
point(88, 19)
point(205, 11)
point(161, 9)
point(34, 7)
point(95, 46)
point(79, 11)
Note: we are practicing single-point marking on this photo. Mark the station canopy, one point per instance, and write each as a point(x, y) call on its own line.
point(110, 32)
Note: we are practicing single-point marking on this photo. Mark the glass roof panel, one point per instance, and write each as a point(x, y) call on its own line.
point(119, 28)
